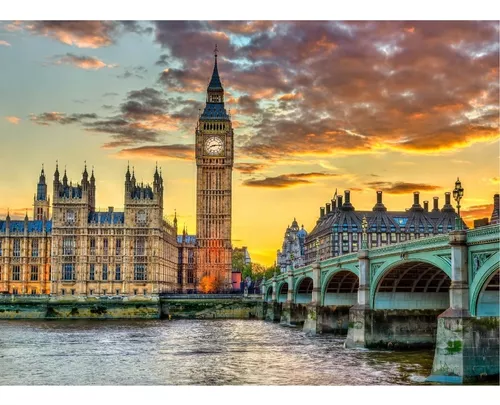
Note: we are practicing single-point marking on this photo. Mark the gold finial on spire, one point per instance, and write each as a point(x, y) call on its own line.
point(216, 50)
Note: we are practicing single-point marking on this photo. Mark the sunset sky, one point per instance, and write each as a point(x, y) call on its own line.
point(316, 106)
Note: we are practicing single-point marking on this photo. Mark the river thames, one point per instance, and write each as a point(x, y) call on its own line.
point(192, 352)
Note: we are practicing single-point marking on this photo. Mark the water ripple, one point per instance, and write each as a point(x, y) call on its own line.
point(192, 352)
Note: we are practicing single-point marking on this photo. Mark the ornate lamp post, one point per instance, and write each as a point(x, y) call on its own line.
point(364, 228)
point(458, 193)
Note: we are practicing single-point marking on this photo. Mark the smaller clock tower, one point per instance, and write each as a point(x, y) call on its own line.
point(214, 165)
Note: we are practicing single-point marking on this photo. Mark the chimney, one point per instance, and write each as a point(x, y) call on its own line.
point(347, 194)
point(328, 208)
point(447, 207)
point(426, 206)
point(334, 204)
point(339, 201)
point(436, 204)
point(347, 206)
point(416, 202)
point(380, 205)
point(322, 212)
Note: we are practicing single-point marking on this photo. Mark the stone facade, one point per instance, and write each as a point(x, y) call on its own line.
point(84, 252)
point(338, 229)
point(214, 163)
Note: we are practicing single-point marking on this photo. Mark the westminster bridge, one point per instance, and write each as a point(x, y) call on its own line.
point(440, 292)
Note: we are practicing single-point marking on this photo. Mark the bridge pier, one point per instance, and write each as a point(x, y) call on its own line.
point(359, 314)
point(272, 311)
point(293, 314)
point(467, 348)
point(312, 309)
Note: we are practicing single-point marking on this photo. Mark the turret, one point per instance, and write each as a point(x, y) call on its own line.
point(41, 202)
point(496, 210)
point(128, 183)
point(92, 191)
point(85, 178)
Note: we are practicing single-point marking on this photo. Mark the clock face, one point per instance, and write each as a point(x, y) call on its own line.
point(214, 146)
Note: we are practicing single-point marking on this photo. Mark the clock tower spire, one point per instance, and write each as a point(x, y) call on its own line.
point(214, 166)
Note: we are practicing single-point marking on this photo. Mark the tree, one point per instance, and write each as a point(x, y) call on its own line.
point(210, 284)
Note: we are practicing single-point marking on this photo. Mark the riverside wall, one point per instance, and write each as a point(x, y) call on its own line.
point(133, 307)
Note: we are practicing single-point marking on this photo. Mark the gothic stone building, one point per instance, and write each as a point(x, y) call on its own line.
point(293, 249)
point(338, 228)
point(81, 251)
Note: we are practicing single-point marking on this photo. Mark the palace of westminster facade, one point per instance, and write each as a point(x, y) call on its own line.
point(80, 251)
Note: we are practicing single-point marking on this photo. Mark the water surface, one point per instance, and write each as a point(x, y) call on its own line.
point(192, 352)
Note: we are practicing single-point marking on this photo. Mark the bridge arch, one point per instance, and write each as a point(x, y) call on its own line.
point(269, 293)
point(282, 292)
point(340, 287)
point(411, 284)
point(485, 289)
point(303, 290)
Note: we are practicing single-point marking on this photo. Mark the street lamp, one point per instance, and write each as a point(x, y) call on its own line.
point(458, 193)
point(364, 228)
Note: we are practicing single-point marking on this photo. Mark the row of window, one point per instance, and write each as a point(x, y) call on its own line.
point(16, 273)
point(69, 246)
point(16, 248)
point(69, 273)
point(91, 292)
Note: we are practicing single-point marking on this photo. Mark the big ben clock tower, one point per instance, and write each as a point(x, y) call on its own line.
point(214, 165)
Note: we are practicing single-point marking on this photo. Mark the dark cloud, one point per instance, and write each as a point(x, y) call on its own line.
point(400, 187)
point(162, 60)
point(176, 151)
point(134, 71)
point(249, 168)
point(110, 94)
point(286, 180)
point(48, 118)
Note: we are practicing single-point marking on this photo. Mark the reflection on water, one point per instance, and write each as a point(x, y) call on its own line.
point(192, 352)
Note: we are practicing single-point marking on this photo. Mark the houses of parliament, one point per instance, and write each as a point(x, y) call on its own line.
point(69, 248)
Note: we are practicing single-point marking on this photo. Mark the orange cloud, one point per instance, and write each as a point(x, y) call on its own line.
point(12, 119)
point(286, 180)
point(82, 62)
point(175, 151)
point(476, 212)
point(4, 43)
point(401, 187)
